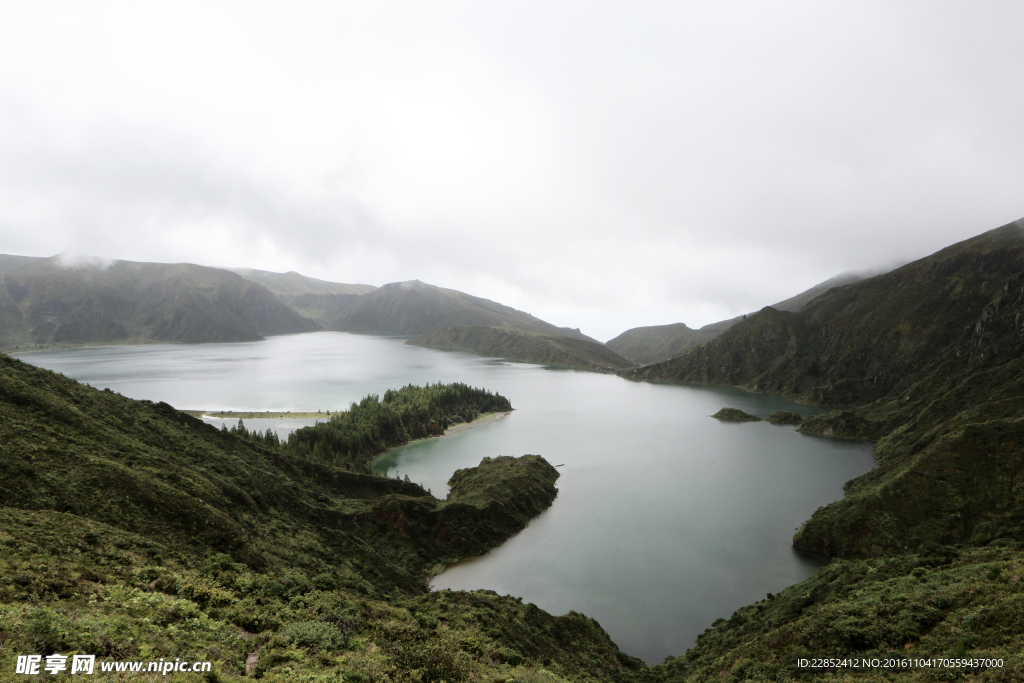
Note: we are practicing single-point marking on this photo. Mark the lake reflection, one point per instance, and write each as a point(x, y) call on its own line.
point(666, 519)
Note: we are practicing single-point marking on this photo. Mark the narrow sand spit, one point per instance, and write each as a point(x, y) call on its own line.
point(474, 423)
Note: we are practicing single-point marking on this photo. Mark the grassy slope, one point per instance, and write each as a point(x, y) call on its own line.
point(131, 530)
point(865, 341)
point(45, 303)
point(932, 352)
point(295, 284)
point(526, 346)
point(413, 308)
point(315, 299)
point(658, 342)
point(941, 602)
point(661, 342)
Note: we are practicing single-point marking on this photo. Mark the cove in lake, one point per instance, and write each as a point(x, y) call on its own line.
point(666, 519)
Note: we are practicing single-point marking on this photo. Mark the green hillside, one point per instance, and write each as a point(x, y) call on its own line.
point(315, 299)
point(525, 346)
point(658, 342)
point(942, 614)
point(414, 308)
point(795, 303)
point(46, 302)
point(133, 531)
point(294, 284)
point(932, 354)
point(930, 358)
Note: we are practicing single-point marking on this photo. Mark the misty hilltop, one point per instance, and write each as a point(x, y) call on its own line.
point(63, 301)
point(414, 308)
point(59, 301)
point(660, 342)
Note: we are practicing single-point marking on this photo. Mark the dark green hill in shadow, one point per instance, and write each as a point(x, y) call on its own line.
point(658, 343)
point(932, 354)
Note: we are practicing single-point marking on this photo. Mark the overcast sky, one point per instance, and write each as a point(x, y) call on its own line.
point(599, 164)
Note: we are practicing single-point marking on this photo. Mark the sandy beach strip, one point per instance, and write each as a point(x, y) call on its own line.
point(479, 421)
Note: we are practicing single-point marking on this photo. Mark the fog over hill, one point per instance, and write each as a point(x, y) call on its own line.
point(414, 307)
point(78, 300)
point(318, 300)
point(932, 352)
point(59, 300)
point(661, 342)
point(715, 159)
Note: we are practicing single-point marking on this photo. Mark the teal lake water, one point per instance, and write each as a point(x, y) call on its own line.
point(666, 519)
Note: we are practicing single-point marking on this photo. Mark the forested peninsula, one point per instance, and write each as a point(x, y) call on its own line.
point(352, 439)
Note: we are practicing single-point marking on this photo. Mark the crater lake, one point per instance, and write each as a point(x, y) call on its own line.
point(666, 519)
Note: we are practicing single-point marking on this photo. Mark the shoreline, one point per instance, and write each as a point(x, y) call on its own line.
point(300, 415)
point(483, 419)
point(268, 414)
point(462, 426)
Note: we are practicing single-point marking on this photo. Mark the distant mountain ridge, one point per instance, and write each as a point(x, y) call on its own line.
point(296, 284)
point(525, 345)
point(660, 342)
point(87, 300)
point(933, 355)
point(318, 300)
point(46, 301)
point(414, 308)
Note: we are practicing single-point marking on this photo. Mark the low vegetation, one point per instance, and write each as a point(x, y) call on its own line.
point(785, 417)
point(130, 530)
point(526, 346)
point(415, 308)
point(940, 603)
point(929, 359)
point(660, 342)
point(735, 415)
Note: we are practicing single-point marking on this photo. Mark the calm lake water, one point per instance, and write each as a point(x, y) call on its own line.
point(666, 519)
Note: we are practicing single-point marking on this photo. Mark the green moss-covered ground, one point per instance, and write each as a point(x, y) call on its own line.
point(130, 530)
point(943, 603)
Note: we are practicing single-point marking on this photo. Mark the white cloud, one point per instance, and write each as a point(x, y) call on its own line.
point(624, 164)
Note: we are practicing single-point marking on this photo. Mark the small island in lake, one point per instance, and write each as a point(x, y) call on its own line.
point(735, 415)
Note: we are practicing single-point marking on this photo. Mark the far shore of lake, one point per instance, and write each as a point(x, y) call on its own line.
point(252, 415)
